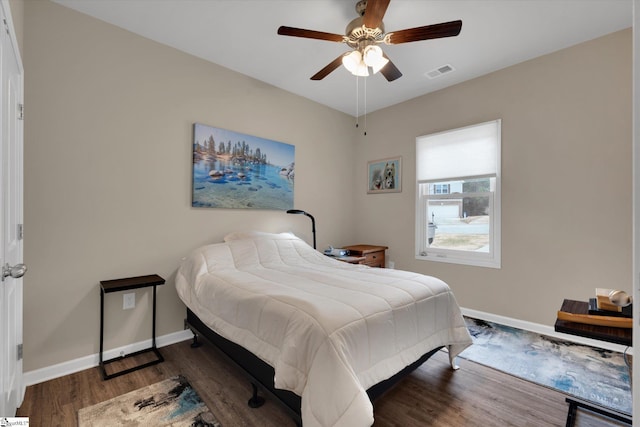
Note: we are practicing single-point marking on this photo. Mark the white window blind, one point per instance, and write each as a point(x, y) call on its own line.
point(468, 151)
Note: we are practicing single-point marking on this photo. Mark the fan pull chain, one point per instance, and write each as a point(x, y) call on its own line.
point(358, 103)
point(365, 106)
point(357, 100)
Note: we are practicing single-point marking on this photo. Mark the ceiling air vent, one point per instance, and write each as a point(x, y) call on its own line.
point(439, 71)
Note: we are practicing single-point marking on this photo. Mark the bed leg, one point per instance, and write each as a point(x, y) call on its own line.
point(452, 361)
point(454, 365)
point(255, 401)
point(195, 343)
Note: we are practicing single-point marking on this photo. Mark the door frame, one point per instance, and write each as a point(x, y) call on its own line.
point(19, 386)
point(636, 201)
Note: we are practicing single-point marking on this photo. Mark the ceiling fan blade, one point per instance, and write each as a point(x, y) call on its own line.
point(437, 31)
point(328, 69)
point(374, 13)
point(390, 71)
point(309, 34)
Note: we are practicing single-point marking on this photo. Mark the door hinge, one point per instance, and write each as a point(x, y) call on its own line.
point(19, 351)
point(20, 232)
point(20, 111)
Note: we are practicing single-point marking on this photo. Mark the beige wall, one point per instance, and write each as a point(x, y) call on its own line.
point(107, 175)
point(566, 178)
point(108, 138)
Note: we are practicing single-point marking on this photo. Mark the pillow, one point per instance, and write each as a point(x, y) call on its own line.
point(238, 235)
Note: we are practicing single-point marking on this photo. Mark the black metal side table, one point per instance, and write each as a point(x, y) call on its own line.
point(126, 284)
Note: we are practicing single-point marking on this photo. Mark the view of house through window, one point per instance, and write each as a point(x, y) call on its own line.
point(461, 219)
point(458, 200)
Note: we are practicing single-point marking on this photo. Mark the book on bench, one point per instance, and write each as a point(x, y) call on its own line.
point(596, 320)
point(624, 312)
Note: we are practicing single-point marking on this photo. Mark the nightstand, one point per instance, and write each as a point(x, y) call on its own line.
point(126, 284)
point(373, 255)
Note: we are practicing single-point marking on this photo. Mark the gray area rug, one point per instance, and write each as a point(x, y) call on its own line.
point(172, 402)
point(600, 376)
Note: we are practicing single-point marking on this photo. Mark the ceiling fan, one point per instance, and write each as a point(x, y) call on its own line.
point(365, 33)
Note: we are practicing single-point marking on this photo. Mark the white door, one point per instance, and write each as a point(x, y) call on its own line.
point(11, 173)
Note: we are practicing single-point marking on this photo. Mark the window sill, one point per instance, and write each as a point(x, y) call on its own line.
point(490, 263)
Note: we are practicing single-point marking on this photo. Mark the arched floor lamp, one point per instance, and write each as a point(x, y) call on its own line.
point(313, 222)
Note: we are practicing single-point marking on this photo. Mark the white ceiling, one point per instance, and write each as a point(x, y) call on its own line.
point(241, 35)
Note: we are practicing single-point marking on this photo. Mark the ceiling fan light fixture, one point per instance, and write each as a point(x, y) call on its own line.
point(353, 62)
point(380, 65)
point(374, 58)
point(372, 55)
point(362, 70)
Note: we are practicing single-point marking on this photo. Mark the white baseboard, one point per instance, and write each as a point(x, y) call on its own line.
point(544, 330)
point(86, 362)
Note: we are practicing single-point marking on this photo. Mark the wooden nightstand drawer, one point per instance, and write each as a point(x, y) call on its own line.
point(373, 255)
point(374, 259)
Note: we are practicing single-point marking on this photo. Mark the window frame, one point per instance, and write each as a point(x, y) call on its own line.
point(491, 259)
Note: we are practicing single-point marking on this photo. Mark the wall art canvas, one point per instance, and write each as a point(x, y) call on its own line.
point(384, 176)
point(237, 171)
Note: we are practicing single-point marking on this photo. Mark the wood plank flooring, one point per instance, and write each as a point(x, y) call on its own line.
point(433, 395)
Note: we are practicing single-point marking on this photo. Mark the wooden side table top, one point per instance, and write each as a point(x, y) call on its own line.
point(621, 336)
point(129, 283)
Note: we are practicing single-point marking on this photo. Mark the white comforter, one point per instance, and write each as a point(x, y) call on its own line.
point(330, 329)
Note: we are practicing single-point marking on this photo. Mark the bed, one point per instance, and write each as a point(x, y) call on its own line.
point(330, 331)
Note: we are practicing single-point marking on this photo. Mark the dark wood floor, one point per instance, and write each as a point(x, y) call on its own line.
point(433, 395)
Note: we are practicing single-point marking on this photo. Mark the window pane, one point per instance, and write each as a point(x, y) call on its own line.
point(449, 229)
point(460, 223)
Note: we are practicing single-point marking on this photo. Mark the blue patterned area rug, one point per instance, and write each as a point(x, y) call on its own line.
point(600, 376)
point(171, 402)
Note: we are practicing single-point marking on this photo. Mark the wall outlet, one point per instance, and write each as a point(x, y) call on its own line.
point(128, 301)
point(391, 264)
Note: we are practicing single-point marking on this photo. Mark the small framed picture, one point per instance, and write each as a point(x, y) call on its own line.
point(384, 176)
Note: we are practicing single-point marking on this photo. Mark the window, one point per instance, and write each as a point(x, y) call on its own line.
point(441, 188)
point(458, 200)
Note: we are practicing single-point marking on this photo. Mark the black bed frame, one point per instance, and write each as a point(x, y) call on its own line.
point(261, 374)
